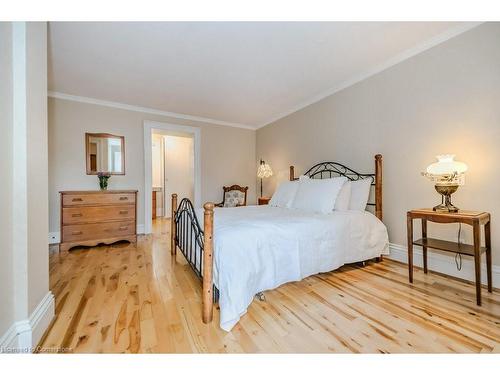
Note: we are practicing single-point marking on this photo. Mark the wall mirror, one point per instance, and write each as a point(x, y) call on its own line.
point(105, 153)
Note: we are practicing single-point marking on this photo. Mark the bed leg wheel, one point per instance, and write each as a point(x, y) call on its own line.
point(261, 296)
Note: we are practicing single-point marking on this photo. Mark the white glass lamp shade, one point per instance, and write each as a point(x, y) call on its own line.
point(264, 170)
point(447, 171)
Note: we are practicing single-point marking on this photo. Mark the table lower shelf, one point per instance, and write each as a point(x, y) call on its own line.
point(450, 246)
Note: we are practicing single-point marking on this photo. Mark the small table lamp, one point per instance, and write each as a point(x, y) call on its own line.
point(447, 175)
point(264, 171)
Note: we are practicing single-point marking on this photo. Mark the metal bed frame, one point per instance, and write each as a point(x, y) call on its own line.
point(196, 243)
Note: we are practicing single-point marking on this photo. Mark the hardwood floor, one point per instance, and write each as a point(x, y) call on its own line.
point(125, 299)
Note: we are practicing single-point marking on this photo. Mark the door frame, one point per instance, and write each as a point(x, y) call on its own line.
point(149, 126)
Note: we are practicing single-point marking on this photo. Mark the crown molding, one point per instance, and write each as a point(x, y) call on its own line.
point(152, 111)
point(405, 55)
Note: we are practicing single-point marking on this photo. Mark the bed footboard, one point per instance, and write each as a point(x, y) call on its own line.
point(196, 244)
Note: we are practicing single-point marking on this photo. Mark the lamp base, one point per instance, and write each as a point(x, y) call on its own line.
point(445, 208)
point(446, 191)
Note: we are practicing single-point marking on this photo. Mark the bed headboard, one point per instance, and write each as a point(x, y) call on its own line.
point(329, 169)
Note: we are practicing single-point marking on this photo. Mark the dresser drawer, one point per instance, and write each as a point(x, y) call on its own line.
point(98, 199)
point(81, 232)
point(84, 214)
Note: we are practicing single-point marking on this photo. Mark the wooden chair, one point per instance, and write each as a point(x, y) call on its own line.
point(234, 196)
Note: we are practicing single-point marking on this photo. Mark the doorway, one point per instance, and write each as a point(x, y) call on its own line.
point(172, 170)
point(172, 165)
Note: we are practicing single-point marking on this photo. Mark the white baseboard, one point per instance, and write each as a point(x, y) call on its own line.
point(444, 263)
point(41, 317)
point(55, 237)
point(24, 335)
point(9, 339)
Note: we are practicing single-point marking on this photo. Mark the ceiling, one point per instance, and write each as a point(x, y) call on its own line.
point(246, 73)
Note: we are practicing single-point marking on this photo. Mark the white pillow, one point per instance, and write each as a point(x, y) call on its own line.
point(344, 197)
point(360, 191)
point(284, 194)
point(315, 195)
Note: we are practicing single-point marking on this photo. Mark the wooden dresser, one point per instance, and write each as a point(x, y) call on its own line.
point(92, 217)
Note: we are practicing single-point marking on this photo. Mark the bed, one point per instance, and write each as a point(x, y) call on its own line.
point(239, 252)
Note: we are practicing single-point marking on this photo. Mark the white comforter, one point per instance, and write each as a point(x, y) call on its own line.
point(257, 248)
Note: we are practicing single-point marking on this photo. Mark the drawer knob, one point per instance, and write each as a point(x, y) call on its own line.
point(123, 212)
point(76, 232)
point(77, 215)
point(77, 200)
point(124, 198)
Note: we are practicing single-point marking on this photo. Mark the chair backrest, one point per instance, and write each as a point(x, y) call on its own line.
point(234, 195)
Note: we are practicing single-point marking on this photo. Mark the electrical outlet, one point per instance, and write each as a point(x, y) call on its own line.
point(53, 238)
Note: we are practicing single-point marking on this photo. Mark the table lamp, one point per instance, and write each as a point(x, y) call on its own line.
point(447, 175)
point(264, 171)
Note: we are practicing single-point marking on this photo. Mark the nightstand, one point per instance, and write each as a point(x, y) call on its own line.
point(264, 200)
point(473, 218)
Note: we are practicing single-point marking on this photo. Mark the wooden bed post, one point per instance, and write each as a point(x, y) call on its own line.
point(292, 174)
point(173, 229)
point(378, 191)
point(208, 298)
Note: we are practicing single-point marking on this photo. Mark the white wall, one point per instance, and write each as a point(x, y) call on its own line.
point(227, 153)
point(179, 169)
point(157, 160)
point(28, 306)
point(444, 100)
point(37, 153)
point(6, 168)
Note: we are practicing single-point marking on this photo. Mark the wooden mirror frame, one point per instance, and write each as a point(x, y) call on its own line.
point(104, 135)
